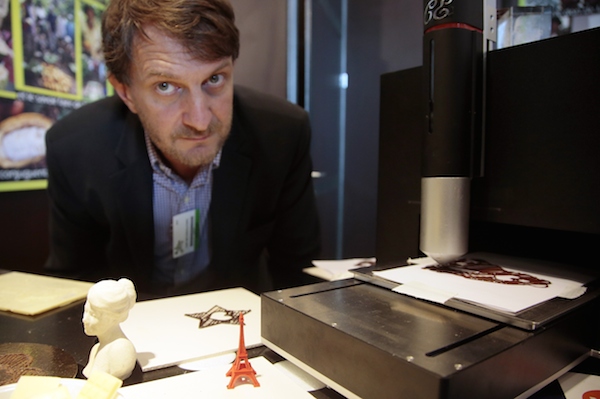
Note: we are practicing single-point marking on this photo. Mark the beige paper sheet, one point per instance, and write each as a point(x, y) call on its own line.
point(32, 294)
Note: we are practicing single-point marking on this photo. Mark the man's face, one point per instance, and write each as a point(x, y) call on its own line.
point(184, 104)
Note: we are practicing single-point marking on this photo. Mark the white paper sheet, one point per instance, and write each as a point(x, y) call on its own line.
point(212, 383)
point(580, 386)
point(423, 291)
point(164, 336)
point(337, 269)
point(503, 297)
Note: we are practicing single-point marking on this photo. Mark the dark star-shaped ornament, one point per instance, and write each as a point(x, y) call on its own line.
point(207, 319)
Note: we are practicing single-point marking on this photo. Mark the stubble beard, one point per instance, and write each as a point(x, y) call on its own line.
point(200, 155)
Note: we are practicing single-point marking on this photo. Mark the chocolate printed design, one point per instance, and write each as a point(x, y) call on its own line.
point(14, 365)
point(206, 319)
point(477, 269)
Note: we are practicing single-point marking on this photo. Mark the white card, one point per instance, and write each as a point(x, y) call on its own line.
point(163, 334)
point(186, 232)
point(578, 386)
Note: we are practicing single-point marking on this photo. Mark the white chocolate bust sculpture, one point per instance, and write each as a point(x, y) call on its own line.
point(108, 304)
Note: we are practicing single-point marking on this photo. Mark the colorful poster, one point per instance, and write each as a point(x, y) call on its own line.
point(563, 12)
point(50, 64)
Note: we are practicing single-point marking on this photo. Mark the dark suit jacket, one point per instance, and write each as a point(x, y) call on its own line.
point(100, 190)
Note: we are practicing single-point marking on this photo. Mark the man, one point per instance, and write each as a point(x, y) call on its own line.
point(181, 182)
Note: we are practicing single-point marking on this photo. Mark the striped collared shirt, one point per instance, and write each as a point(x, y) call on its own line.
point(172, 196)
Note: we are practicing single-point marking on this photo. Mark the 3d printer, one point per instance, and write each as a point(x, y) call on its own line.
point(533, 182)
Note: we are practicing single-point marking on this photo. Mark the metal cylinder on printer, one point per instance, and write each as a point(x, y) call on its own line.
point(452, 59)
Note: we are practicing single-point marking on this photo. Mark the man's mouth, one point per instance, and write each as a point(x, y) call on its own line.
point(194, 137)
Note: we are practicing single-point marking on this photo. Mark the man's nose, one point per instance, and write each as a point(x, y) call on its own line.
point(197, 113)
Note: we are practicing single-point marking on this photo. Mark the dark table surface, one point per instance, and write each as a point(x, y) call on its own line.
point(62, 328)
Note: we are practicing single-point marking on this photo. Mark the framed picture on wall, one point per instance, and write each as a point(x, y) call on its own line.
point(50, 64)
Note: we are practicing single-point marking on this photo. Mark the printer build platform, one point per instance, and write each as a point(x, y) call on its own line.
point(368, 342)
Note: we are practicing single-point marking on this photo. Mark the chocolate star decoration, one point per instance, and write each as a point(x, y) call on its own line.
point(207, 319)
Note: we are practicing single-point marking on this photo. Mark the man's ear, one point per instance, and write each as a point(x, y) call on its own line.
point(123, 91)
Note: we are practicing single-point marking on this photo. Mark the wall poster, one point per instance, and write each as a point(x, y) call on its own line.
point(50, 64)
point(569, 15)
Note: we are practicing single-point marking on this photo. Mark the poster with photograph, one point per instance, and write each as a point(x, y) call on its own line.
point(50, 64)
point(565, 14)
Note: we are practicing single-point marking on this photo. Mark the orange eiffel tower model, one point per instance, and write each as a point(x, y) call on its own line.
point(241, 366)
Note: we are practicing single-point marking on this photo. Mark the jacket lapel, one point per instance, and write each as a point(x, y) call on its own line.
point(229, 192)
point(133, 187)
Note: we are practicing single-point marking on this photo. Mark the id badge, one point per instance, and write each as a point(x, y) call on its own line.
point(186, 232)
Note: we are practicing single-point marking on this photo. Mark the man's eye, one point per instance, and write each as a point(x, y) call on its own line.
point(165, 88)
point(215, 79)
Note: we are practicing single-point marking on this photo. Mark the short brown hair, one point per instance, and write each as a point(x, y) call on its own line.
point(205, 27)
